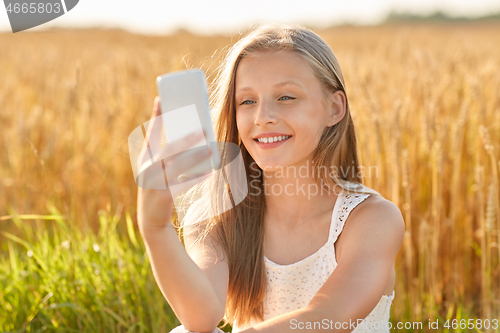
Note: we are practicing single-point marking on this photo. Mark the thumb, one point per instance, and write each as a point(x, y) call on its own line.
point(156, 107)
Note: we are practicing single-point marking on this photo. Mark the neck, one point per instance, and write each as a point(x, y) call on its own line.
point(293, 197)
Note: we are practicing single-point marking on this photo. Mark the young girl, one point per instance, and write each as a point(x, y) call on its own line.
point(309, 247)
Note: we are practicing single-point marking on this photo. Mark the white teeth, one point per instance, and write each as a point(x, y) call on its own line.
point(273, 139)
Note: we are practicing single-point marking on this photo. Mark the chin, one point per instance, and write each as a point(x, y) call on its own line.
point(272, 167)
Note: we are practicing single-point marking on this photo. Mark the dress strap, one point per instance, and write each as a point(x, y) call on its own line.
point(347, 203)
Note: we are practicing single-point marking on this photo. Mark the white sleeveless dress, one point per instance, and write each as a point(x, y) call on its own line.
point(292, 287)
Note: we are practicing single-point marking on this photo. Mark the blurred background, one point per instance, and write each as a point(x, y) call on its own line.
point(423, 86)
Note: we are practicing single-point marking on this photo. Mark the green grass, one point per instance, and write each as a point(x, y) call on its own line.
point(56, 278)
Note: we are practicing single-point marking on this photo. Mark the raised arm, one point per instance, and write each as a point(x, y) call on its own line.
point(194, 284)
point(212, 261)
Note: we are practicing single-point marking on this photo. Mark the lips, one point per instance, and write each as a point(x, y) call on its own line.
point(270, 135)
point(273, 139)
point(273, 144)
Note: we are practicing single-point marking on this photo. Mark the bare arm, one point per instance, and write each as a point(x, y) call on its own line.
point(195, 289)
point(194, 286)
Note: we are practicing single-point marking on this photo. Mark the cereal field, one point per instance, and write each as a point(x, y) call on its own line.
point(426, 105)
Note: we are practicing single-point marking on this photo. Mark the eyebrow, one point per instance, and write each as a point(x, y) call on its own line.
point(277, 85)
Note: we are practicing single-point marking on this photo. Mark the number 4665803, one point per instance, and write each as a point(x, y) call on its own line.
point(34, 7)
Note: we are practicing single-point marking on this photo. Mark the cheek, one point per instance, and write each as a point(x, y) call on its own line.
point(242, 125)
point(310, 136)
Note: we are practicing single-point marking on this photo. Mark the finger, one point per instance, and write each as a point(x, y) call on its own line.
point(183, 144)
point(144, 157)
point(174, 149)
point(186, 185)
point(190, 178)
point(154, 128)
point(152, 176)
point(156, 107)
point(185, 161)
point(148, 127)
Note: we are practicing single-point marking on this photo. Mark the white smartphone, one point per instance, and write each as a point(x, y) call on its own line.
point(185, 109)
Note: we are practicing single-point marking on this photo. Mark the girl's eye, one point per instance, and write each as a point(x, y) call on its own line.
point(244, 102)
point(289, 98)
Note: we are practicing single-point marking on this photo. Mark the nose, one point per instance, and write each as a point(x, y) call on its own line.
point(265, 115)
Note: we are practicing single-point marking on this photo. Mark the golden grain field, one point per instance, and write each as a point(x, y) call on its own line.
point(425, 101)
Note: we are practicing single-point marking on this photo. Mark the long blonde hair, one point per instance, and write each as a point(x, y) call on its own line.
point(240, 231)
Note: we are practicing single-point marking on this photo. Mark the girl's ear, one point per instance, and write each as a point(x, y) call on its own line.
point(337, 107)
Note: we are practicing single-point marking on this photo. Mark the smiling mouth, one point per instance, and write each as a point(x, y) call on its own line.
point(273, 139)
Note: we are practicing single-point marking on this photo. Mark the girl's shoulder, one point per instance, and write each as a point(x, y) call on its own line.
point(369, 210)
point(375, 216)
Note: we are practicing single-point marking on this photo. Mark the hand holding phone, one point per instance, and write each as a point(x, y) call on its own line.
point(179, 149)
point(185, 109)
point(155, 199)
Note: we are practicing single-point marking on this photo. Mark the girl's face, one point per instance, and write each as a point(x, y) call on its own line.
point(278, 95)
